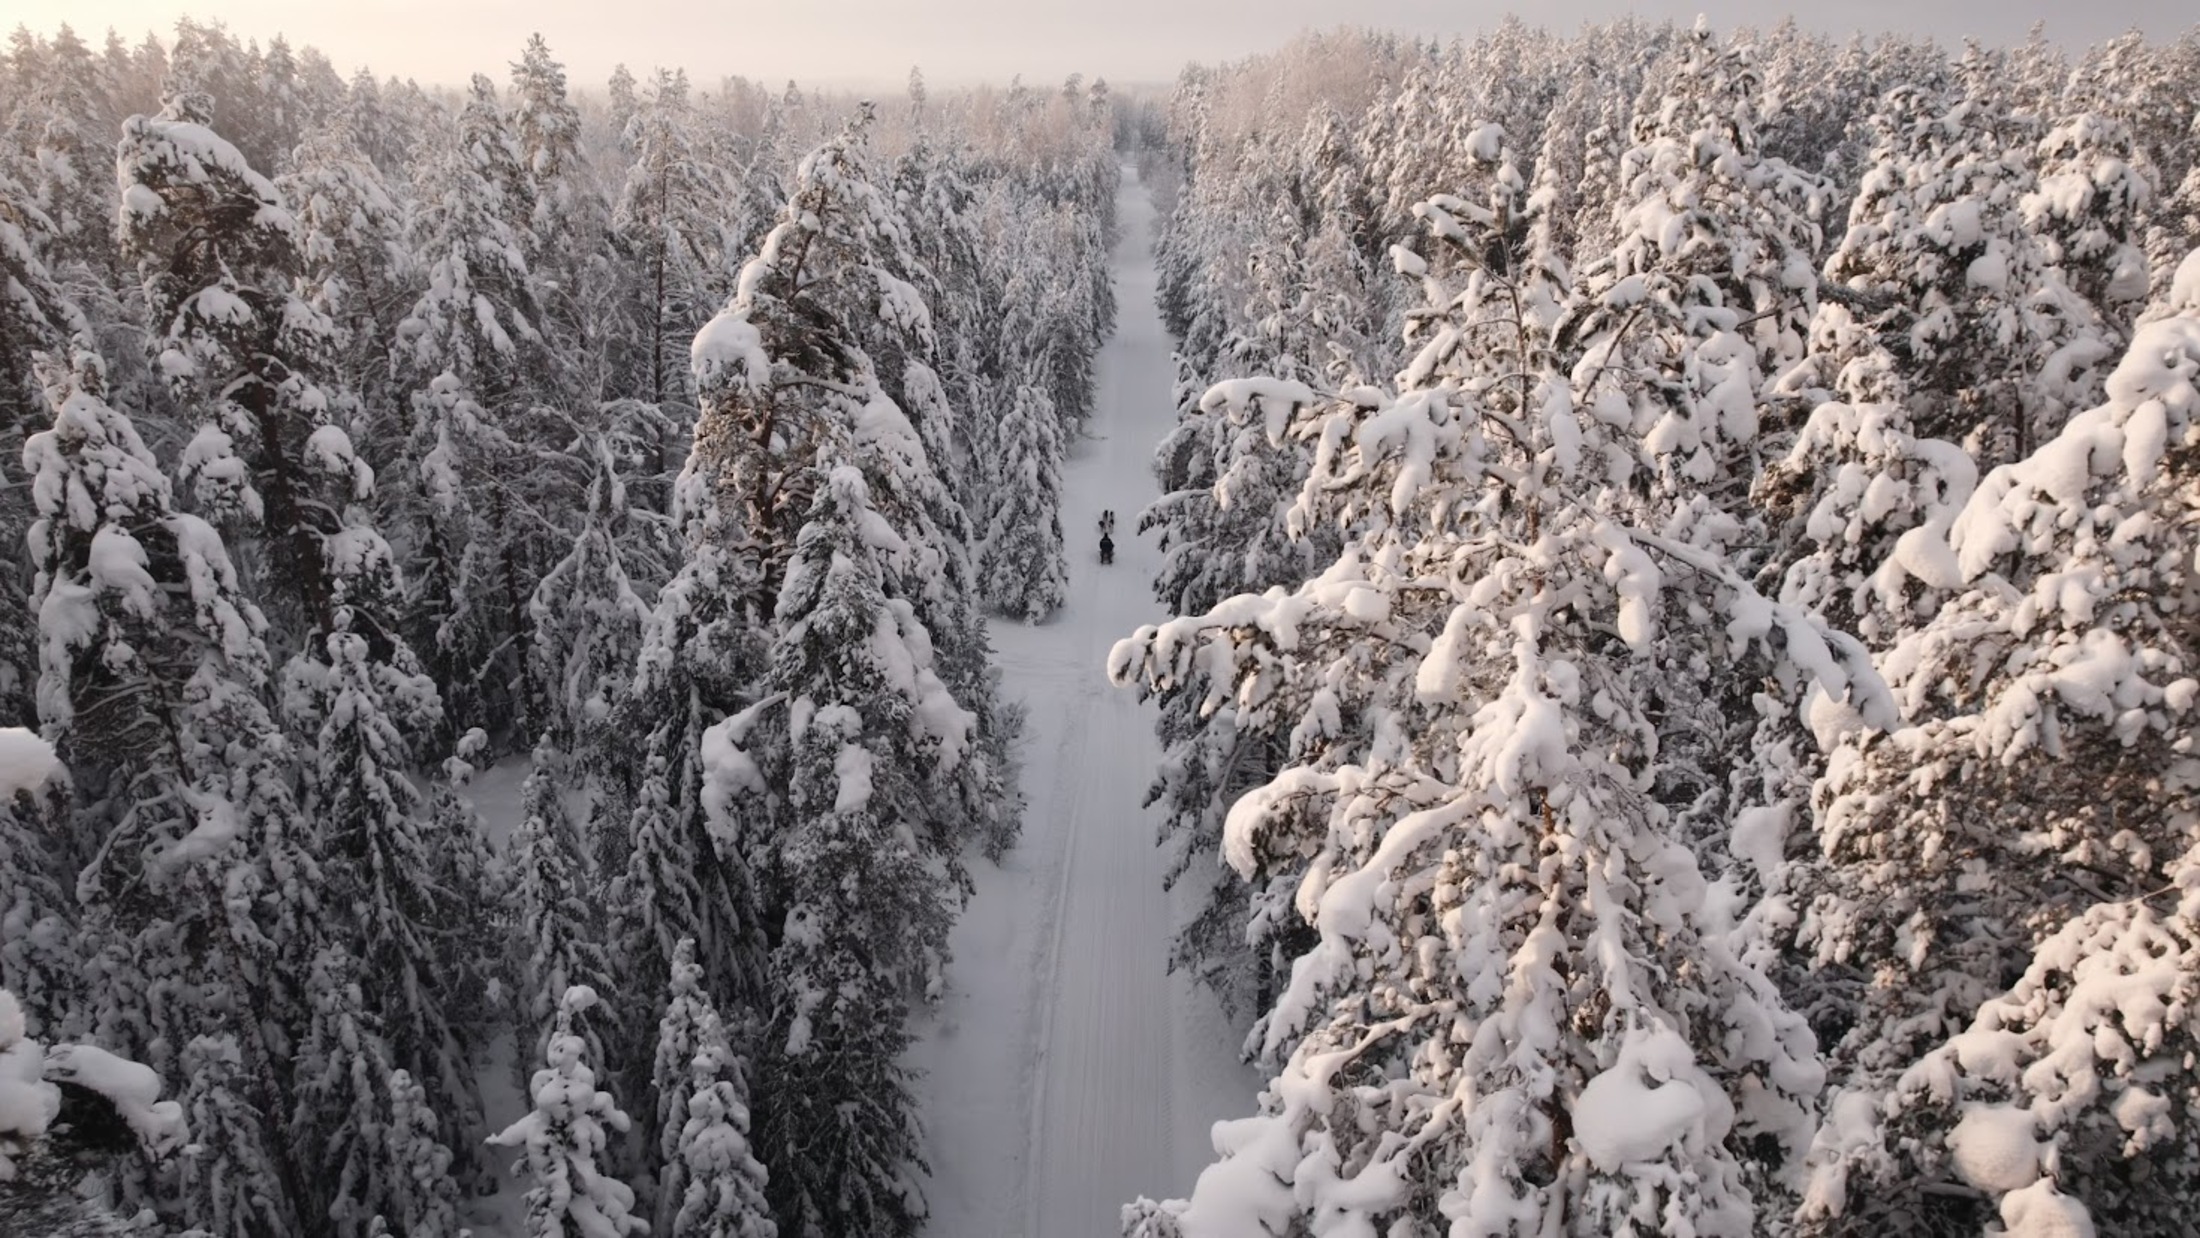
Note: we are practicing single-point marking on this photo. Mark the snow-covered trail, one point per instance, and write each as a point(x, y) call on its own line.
point(1066, 1072)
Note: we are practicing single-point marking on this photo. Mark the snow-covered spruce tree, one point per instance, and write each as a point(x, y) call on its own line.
point(461, 858)
point(478, 317)
point(560, 931)
point(382, 884)
point(459, 579)
point(689, 1024)
point(228, 1179)
point(786, 388)
point(834, 301)
point(702, 647)
point(242, 351)
point(866, 901)
point(709, 1183)
point(1025, 575)
point(355, 268)
point(2030, 825)
point(668, 222)
point(588, 623)
point(39, 939)
point(36, 315)
point(546, 130)
point(563, 1140)
point(940, 198)
point(566, 229)
point(680, 884)
point(153, 672)
point(676, 877)
point(1519, 1014)
point(377, 1165)
point(63, 133)
point(726, 1185)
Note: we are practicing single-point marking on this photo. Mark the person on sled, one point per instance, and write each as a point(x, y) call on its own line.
point(1107, 536)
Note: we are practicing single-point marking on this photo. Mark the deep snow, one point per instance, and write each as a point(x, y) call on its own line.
point(1066, 1072)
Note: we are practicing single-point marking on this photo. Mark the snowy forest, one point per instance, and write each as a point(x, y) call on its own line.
point(371, 434)
point(1681, 709)
point(1674, 558)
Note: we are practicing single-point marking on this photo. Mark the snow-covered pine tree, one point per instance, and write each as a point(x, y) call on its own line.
point(2094, 188)
point(563, 1140)
point(2055, 689)
point(1939, 267)
point(1519, 1014)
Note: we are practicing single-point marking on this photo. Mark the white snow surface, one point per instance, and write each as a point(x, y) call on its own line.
point(1066, 1072)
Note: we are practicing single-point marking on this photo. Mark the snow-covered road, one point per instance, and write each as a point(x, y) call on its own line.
point(1066, 1072)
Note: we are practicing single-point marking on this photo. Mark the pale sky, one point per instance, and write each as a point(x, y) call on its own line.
point(839, 42)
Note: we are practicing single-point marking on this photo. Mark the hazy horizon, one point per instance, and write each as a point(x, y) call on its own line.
point(872, 43)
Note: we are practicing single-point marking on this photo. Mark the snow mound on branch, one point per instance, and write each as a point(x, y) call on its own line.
point(853, 767)
point(1652, 1098)
point(729, 349)
point(26, 762)
point(2040, 1211)
point(2184, 287)
point(132, 1087)
point(27, 1102)
point(1996, 1148)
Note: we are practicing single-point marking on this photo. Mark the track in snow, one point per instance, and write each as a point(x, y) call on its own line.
point(1066, 1072)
